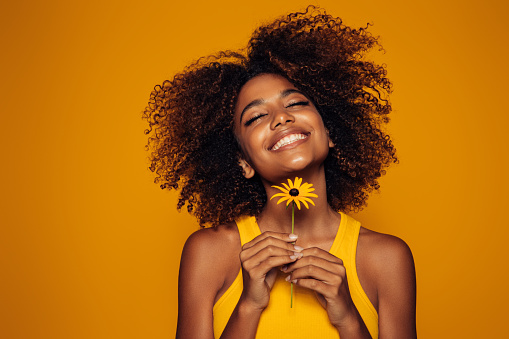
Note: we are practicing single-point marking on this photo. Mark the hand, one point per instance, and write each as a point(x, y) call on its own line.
point(260, 259)
point(325, 274)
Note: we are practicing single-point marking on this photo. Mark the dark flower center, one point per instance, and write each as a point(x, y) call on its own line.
point(294, 192)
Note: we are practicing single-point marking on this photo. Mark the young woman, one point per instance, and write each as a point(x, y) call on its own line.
point(299, 103)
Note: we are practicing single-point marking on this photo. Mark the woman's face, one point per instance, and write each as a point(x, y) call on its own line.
point(279, 129)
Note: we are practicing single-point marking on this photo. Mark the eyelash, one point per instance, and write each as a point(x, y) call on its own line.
point(253, 119)
point(299, 103)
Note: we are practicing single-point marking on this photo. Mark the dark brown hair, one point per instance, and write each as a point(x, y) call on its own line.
point(193, 147)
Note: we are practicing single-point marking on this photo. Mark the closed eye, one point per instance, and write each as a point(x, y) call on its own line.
point(253, 119)
point(299, 103)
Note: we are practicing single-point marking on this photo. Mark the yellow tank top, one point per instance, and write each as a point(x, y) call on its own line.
point(307, 318)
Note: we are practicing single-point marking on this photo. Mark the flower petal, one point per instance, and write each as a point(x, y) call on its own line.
point(290, 184)
point(282, 199)
point(305, 203)
point(298, 203)
point(278, 195)
point(281, 189)
point(306, 187)
point(298, 181)
point(306, 199)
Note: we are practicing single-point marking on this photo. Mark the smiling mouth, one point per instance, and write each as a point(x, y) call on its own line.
point(287, 140)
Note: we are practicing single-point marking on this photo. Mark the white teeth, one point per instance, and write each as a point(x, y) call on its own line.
point(288, 140)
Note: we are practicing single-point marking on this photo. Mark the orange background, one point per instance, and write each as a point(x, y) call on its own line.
point(90, 246)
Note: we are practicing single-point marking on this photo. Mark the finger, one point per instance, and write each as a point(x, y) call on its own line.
point(318, 286)
point(285, 237)
point(271, 244)
point(266, 265)
point(312, 261)
point(250, 260)
point(317, 273)
point(318, 252)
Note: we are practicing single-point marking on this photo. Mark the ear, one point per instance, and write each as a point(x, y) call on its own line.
point(247, 170)
point(331, 144)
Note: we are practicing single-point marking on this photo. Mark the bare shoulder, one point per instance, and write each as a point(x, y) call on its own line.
point(209, 259)
point(211, 250)
point(383, 250)
point(386, 270)
point(214, 241)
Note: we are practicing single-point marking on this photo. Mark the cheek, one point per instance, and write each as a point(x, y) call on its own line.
point(247, 142)
point(319, 126)
point(253, 146)
point(324, 134)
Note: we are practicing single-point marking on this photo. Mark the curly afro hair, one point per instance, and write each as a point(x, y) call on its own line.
point(191, 138)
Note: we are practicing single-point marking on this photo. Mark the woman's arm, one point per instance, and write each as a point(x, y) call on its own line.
point(209, 256)
point(386, 271)
point(196, 289)
point(396, 288)
point(260, 258)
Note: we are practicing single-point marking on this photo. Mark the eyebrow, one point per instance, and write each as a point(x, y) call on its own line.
point(258, 102)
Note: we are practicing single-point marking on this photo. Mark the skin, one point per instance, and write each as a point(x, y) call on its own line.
point(269, 108)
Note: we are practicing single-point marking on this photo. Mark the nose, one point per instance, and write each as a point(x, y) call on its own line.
point(281, 118)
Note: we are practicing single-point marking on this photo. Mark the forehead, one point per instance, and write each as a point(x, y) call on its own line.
point(262, 86)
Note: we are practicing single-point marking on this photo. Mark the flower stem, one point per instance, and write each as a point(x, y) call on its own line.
point(291, 284)
point(293, 214)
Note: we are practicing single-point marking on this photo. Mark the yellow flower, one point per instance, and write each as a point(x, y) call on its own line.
point(295, 192)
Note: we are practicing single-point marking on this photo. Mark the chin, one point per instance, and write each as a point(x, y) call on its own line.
point(301, 162)
point(303, 165)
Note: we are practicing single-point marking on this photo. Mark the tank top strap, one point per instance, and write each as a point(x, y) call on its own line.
point(345, 248)
point(345, 244)
point(248, 229)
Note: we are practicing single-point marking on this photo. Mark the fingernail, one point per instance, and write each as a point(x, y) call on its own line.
point(294, 256)
point(293, 236)
point(297, 254)
point(294, 280)
point(298, 248)
point(284, 268)
point(287, 278)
